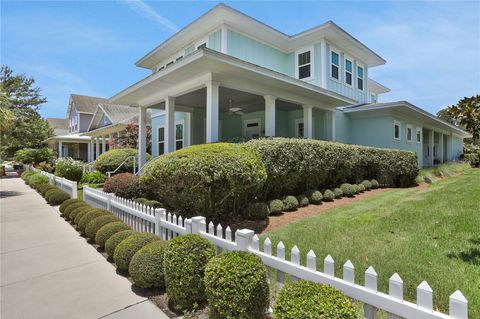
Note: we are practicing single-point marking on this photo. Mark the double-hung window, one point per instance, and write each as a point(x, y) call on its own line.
point(396, 130)
point(348, 72)
point(419, 135)
point(304, 65)
point(335, 65)
point(161, 140)
point(360, 78)
point(179, 136)
point(409, 133)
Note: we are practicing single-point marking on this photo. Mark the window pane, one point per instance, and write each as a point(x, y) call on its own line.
point(360, 72)
point(348, 78)
point(335, 72)
point(300, 129)
point(304, 58)
point(409, 134)
point(201, 46)
point(161, 133)
point(304, 71)
point(360, 84)
point(161, 148)
point(348, 65)
point(178, 145)
point(179, 131)
point(397, 131)
point(335, 58)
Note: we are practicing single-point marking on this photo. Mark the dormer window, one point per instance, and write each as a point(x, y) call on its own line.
point(360, 78)
point(335, 65)
point(304, 65)
point(202, 46)
point(348, 72)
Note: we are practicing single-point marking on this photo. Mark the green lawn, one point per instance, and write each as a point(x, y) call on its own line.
point(431, 234)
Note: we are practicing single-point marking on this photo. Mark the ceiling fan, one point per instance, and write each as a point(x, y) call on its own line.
point(234, 110)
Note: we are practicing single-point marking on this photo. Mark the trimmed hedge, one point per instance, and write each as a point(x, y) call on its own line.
point(124, 185)
point(375, 184)
point(70, 208)
point(128, 247)
point(338, 193)
point(109, 161)
point(146, 267)
point(258, 211)
point(315, 197)
point(116, 239)
point(328, 196)
point(44, 188)
point(290, 203)
point(184, 263)
point(88, 217)
point(236, 286)
point(69, 202)
point(367, 184)
point(108, 230)
point(306, 299)
point(275, 206)
point(36, 180)
point(356, 188)
point(212, 180)
point(302, 200)
point(79, 212)
point(94, 225)
point(348, 189)
point(297, 165)
point(56, 196)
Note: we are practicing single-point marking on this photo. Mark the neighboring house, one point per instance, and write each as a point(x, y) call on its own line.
point(228, 76)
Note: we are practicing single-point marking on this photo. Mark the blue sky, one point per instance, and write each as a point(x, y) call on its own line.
point(86, 47)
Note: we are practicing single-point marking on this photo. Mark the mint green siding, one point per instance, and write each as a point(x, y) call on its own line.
point(215, 40)
point(457, 147)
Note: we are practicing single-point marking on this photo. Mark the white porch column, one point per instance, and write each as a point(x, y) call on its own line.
point(142, 136)
point(307, 121)
point(332, 125)
point(89, 151)
point(449, 148)
point(60, 149)
point(212, 112)
point(110, 139)
point(169, 124)
point(431, 136)
point(104, 144)
point(269, 115)
point(97, 147)
point(440, 147)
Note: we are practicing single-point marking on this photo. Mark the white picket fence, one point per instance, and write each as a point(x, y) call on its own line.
point(168, 225)
point(70, 187)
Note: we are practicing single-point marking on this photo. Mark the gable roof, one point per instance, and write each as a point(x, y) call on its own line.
point(116, 113)
point(223, 14)
point(60, 126)
point(84, 103)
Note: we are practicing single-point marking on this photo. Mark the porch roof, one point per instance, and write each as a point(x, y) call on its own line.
point(192, 72)
point(69, 138)
point(408, 110)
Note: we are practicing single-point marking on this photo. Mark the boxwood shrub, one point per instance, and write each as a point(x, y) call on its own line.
point(127, 248)
point(70, 208)
point(211, 180)
point(356, 187)
point(37, 180)
point(44, 188)
point(56, 196)
point(367, 184)
point(328, 196)
point(104, 233)
point(361, 187)
point(68, 202)
point(275, 206)
point(110, 160)
point(116, 239)
point(79, 212)
point(348, 189)
point(290, 203)
point(306, 299)
point(236, 286)
point(94, 225)
point(184, 263)
point(258, 211)
point(375, 184)
point(146, 267)
point(315, 197)
point(338, 193)
point(302, 200)
point(89, 216)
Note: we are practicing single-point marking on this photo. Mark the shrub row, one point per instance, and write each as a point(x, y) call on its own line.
point(111, 160)
point(52, 194)
point(124, 185)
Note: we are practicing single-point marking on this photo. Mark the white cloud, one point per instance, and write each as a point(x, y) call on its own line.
point(145, 10)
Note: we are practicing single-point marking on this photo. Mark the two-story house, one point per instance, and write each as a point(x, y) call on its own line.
point(228, 76)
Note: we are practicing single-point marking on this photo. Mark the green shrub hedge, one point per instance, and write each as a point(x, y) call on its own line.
point(338, 193)
point(211, 180)
point(258, 211)
point(302, 200)
point(184, 263)
point(93, 178)
point(290, 203)
point(348, 189)
point(124, 185)
point(146, 267)
point(104, 233)
point(56, 196)
point(367, 184)
point(44, 188)
point(328, 196)
point(116, 239)
point(69, 202)
point(37, 180)
point(88, 217)
point(79, 212)
point(109, 161)
point(297, 165)
point(356, 188)
point(375, 184)
point(69, 168)
point(149, 202)
point(236, 286)
point(70, 208)
point(94, 225)
point(34, 155)
point(127, 248)
point(275, 206)
point(315, 197)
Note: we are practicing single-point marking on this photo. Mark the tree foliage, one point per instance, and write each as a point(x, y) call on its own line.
point(466, 113)
point(21, 124)
point(443, 114)
point(129, 138)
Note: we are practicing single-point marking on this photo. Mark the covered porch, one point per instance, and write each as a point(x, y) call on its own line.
point(73, 145)
point(437, 147)
point(222, 98)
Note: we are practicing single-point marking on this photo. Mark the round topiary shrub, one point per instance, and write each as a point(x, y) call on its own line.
point(258, 211)
point(315, 197)
point(70, 208)
point(236, 286)
point(361, 187)
point(78, 213)
point(302, 200)
point(211, 180)
point(124, 185)
point(375, 184)
point(44, 188)
point(109, 161)
point(306, 299)
point(275, 206)
point(116, 239)
point(146, 267)
point(67, 203)
point(367, 184)
point(127, 248)
point(94, 225)
point(89, 216)
point(108, 230)
point(338, 193)
point(184, 264)
point(328, 196)
point(290, 204)
point(348, 189)
point(56, 196)
point(356, 187)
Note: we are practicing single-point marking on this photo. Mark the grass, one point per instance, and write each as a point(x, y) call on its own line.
point(432, 174)
point(431, 234)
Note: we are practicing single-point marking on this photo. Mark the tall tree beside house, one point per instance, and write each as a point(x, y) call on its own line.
point(129, 138)
point(466, 113)
point(446, 116)
point(21, 124)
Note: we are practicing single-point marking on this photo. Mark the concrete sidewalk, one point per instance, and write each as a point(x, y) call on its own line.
point(49, 271)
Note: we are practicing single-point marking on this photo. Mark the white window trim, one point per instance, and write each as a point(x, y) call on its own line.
point(419, 130)
point(359, 65)
point(160, 141)
point(250, 121)
point(202, 41)
point(182, 122)
point(399, 138)
point(297, 132)
point(312, 63)
point(409, 126)
point(375, 96)
point(345, 58)
point(339, 64)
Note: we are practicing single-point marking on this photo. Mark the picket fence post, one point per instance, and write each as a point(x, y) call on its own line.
point(74, 190)
point(109, 201)
point(198, 224)
point(244, 239)
point(158, 220)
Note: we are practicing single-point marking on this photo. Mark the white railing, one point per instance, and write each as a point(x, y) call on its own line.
point(70, 187)
point(167, 226)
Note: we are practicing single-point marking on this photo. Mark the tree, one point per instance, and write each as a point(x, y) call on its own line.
point(129, 138)
point(21, 124)
point(446, 116)
point(466, 113)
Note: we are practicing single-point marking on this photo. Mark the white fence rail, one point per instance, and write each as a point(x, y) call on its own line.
point(70, 187)
point(167, 226)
